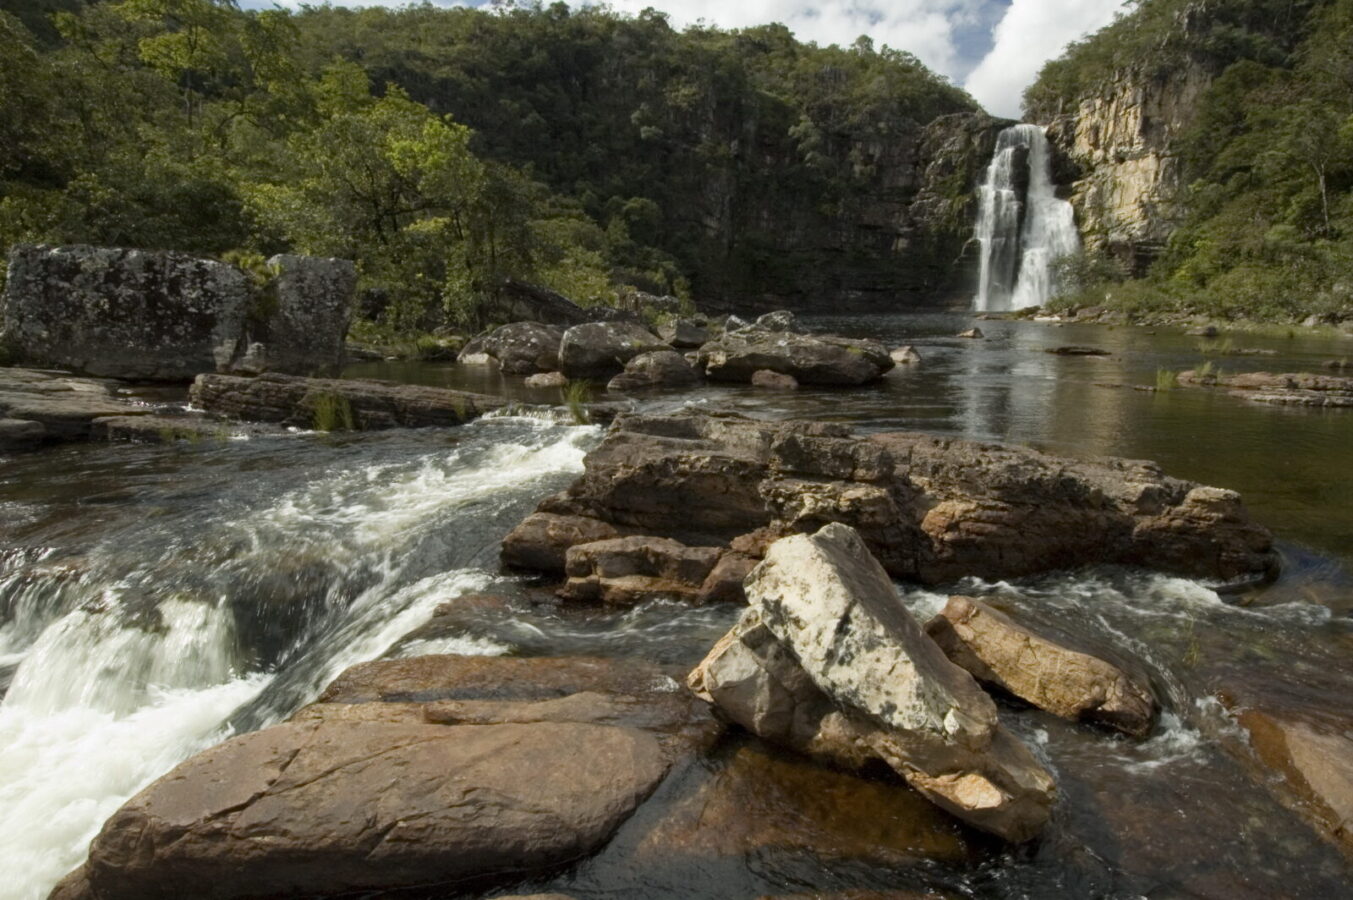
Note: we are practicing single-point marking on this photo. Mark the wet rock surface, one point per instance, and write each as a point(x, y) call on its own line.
point(334, 404)
point(817, 359)
point(629, 570)
point(45, 406)
point(407, 774)
point(930, 509)
point(1049, 675)
point(827, 661)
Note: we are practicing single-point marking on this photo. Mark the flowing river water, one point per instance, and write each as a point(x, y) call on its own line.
point(154, 599)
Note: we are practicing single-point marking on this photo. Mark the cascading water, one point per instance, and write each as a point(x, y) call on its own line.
point(1022, 225)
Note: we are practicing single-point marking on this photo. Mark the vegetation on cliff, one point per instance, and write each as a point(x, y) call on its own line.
point(446, 149)
point(1267, 231)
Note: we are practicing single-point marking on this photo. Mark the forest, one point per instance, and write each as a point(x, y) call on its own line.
point(443, 150)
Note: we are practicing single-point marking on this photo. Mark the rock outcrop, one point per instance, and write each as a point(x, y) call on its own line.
point(739, 355)
point(1120, 149)
point(434, 771)
point(598, 350)
point(1039, 670)
point(517, 301)
point(827, 661)
point(330, 404)
point(930, 509)
point(629, 570)
point(520, 348)
point(163, 316)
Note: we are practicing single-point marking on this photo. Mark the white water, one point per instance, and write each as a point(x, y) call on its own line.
point(133, 667)
point(1021, 237)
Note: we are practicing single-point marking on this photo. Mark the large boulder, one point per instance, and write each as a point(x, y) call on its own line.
point(307, 308)
point(330, 404)
point(348, 806)
point(930, 509)
point(135, 314)
point(165, 316)
point(828, 661)
point(685, 334)
point(517, 301)
point(445, 773)
point(656, 369)
point(811, 360)
point(1039, 670)
point(521, 348)
point(601, 349)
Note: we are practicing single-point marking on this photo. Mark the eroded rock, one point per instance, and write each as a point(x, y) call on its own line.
point(656, 369)
point(930, 509)
point(629, 570)
point(825, 360)
point(1288, 389)
point(521, 348)
point(601, 349)
point(826, 660)
point(1067, 683)
point(774, 381)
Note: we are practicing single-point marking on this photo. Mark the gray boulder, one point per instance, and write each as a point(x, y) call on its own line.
point(659, 368)
point(737, 356)
point(601, 349)
point(308, 308)
point(521, 348)
point(828, 661)
point(166, 316)
point(685, 334)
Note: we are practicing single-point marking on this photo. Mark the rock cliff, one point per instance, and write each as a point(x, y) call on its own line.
point(1120, 164)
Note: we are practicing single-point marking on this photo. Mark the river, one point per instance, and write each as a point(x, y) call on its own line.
point(154, 599)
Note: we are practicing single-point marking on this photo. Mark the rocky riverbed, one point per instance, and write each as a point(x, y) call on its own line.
point(741, 655)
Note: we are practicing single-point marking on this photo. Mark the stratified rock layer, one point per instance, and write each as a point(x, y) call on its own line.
point(825, 360)
point(930, 509)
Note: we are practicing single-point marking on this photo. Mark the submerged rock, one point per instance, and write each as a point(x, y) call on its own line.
point(827, 661)
point(1289, 389)
point(655, 369)
point(930, 509)
point(906, 356)
point(825, 360)
point(521, 348)
point(547, 380)
point(973, 333)
point(1073, 685)
point(601, 349)
point(331, 404)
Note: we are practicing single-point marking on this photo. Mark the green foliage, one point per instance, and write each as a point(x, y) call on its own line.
point(576, 395)
point(1268, 227)
point(331, 412)
point(1166, 379)
point(444, 150)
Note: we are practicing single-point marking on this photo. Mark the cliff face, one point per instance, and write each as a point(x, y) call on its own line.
point(1120, 165)
point(901, 238)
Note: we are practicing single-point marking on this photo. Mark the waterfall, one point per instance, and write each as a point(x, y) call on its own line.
point(1021, 224)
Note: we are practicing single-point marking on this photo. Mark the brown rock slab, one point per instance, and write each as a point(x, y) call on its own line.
point(541, 542)
point(629, 570)
point(374, 807)
point(1049, 675)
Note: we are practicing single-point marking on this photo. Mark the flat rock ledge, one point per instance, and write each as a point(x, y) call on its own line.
point(337, 404)
point(1287, 389)
point(827, 661)
point(932, 510)
point(470, 772)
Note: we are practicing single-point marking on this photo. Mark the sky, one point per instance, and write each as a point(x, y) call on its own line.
point(994, 48)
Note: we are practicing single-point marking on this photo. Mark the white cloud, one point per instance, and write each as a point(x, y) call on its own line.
point(1032, 32)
